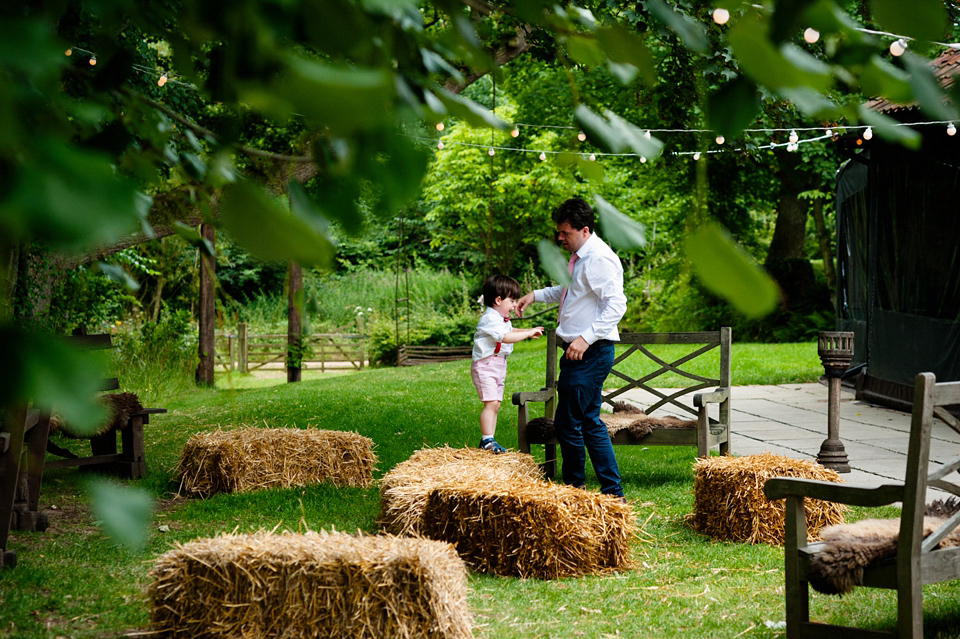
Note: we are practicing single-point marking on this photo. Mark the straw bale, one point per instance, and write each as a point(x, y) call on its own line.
point(404, 490)
point(729, 502)
point(226, 461)
point(525, 527)
point(316, 585)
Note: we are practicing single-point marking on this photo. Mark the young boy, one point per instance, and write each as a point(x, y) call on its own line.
point(492, 342)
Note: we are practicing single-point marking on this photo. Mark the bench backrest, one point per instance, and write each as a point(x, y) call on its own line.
point(621, 378)
point(929, 400)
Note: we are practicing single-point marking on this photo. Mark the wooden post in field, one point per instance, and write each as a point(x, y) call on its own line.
point(294, 323)
point(207, 312)
point(242, 346)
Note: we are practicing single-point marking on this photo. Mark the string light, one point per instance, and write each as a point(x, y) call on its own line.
point(440, 145)
point(898, 47)
point(696, 156)
point(646, 134)
point(811, 35)
point(720, 139)
point(593, 157)
point(491, 152)
point(543, 156)
point(643, 160)
point(93, 61)
point(439, 126)
point(868, 134)
point(162, 81)
point(581, 136)
point(515, 132)
point(951, 129)
point(68, 52)
point(721, 15)
point(794, 138)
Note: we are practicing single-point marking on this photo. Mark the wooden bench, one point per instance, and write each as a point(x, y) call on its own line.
point(917, 561)
point(710, 431)
point(25, 440)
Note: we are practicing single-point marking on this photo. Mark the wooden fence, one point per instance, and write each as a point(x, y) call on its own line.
point(245, 352)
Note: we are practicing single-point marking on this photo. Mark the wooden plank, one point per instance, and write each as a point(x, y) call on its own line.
point(83, 461)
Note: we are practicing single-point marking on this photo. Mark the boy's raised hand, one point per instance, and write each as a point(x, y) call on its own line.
point(537, 332)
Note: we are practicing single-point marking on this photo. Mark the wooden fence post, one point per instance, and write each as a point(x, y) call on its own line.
point(242, 346)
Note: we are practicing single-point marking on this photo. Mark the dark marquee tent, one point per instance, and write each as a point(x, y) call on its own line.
point(898, 257)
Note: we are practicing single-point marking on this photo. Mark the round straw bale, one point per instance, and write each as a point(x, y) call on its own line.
point(227, 461)
point(404, 490)
point(729, 502)
point(525, 527)
point(317, 585)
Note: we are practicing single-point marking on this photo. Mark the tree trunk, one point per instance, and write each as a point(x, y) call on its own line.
point(825, 249)
point(294, 323)
point(207, 312)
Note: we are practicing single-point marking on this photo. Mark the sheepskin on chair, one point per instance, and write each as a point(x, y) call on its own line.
point(120, 407)
point(848, 548)
point(624, 417)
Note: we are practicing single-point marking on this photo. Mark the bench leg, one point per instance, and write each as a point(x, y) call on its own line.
point(9, 472)
point(26, 515)
point(550, 460)
point(134, 464)
point(703, 433)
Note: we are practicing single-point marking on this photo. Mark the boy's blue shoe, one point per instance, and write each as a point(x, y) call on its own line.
point(489, 443)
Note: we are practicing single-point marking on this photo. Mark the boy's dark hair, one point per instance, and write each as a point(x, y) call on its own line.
point(500, 286)
point(575, 212)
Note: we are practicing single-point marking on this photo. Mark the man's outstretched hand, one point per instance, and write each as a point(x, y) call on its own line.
point(524, 302)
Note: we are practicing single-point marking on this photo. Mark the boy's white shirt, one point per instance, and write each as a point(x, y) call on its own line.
point(490, 331)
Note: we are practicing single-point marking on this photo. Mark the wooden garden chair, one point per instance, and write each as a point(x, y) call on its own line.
point(918, 560)
point(689, 400)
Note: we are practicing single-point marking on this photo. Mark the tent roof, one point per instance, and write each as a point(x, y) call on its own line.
point(946, 67)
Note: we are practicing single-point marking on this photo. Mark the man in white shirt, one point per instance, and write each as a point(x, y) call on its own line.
point(590, 309)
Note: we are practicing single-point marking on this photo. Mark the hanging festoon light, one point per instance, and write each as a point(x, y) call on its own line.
point(162, 81)
point(898, 47)
point(794, 138)
point(951, 129)
point(868, 134)
point(696, 156)
point(439, 126)
point(68, 52)
point(720, 139)
point(581, 136)
point(643, 160)
point(721, 15)
point(543, 156)
point(515, 132)
point(491, 152)
point(646, 134)
point(593, 157)
point(440, 145)
point(93, 61)
point(811, 35)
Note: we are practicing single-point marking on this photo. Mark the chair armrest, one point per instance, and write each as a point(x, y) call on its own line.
point(715, 397)
point(542, 395)
point(780, 487)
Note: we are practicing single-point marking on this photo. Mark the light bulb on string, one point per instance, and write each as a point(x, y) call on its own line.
point(581, 136)
point(593, 157)
point(696, 156)
point(439, 126)
point(794, 138)
point(828, 132)
point(491, 152)
point(951, 129)
point(515, 132)
point(720, 139)
point(868, 133)
point(721, 15)
point(162, 81)
point(643, 160)
point(93, 61)
point(543, 156)
point(440, 144)
point(811, 35)
point(898, 47)
point(646, 134)
point(68, 52)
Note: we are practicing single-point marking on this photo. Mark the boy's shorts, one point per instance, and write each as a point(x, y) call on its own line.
point(488, 375)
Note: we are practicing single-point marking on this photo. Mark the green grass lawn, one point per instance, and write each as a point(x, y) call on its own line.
point(72, 581)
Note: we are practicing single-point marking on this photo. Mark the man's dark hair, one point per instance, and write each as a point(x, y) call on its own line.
point(575, 212)
point(500, 286)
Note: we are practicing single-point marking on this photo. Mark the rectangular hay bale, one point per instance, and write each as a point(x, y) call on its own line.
point(313, 585)
point(525, 527)
point(729, 503)
point(405, 489)
point(227, 461)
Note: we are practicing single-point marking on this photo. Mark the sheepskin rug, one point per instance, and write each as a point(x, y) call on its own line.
point(848, 548)
point(624, 417)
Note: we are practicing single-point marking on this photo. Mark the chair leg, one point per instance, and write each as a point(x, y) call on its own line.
point(796, 590)
point(9, 472)
point(703, 433)
point(909, 608)
point(550, 460)
point(134, 456)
